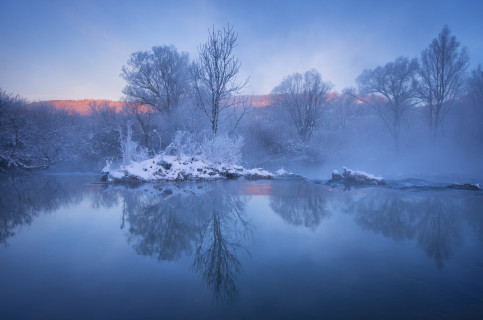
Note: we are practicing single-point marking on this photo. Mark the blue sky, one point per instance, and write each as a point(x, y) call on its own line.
point(75, 49)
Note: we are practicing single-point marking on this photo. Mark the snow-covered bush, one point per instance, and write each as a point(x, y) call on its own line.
point(223, 149)
point(130, 149)
point(184, 143)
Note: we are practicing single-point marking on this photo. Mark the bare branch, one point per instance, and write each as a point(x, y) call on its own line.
point(214, 74)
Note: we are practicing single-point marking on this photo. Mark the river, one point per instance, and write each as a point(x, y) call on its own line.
point(74, 248)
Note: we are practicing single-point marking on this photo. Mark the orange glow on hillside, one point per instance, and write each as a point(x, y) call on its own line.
point(82, 106)
point(260, 100)
point(79, 106)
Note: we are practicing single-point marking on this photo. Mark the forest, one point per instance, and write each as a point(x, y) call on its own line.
point(425, 110)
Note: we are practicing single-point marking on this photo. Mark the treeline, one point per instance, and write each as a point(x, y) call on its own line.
point(428, 101)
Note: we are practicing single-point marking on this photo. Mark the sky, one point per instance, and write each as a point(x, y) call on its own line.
point(76, 49)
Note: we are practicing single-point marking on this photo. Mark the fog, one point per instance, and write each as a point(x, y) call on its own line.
point(405, 119)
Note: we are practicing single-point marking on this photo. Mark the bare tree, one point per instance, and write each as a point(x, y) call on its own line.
point(475, 93)
point(475, 86)
point(13, 121)
point(144, 116)
point(345, 109)
point(397, 85)
point(32, 136)
point(214, 75)
point(442, 73)
point(303, 96)
point(102, 138)
point(158, 78)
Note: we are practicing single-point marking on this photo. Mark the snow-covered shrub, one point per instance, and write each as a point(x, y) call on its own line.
point(184, 143)
point(130, 149)
point(223, 149)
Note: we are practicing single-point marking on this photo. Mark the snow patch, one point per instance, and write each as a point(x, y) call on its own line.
point(281, 172)
point(180, 168)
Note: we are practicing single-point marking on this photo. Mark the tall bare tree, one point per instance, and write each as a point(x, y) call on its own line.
point(158, 78)
point(214, 75)
point(475, 86)
point(475, 92)
point(442, 72)
point(303, 96)
point(345, 109)
point(397, 85)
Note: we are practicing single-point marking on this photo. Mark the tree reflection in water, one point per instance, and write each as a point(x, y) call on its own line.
point(299, 203)
point(167, 221)
point(25, 196)
point(162, 227)
point(437, 225)
point(474, 216)
point(432, 218)
point(217, 244)
point(208, 220)
point(388, 212)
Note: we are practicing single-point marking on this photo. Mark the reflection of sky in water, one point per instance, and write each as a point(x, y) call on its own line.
point(299, 250)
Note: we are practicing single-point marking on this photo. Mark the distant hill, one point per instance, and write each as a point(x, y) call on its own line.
point(260, 100)
point(79, 106)
point(82, 106)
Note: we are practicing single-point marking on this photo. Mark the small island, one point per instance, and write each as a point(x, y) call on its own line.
point(179, 168)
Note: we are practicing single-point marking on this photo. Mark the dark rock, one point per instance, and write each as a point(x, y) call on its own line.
point(256, 176)
point(231, 175)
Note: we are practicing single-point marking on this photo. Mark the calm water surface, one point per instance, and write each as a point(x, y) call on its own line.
point(74, 249)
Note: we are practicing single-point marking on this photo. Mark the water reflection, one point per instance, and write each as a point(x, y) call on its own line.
point(168, 221)
point(389, 213)
point(159, 226)
point(24, 197)
point(300, 203)
point(165, 221)
point(432, 218)
point(217, 244)
point(438, 229)
point(208, 222)
point(474, 216)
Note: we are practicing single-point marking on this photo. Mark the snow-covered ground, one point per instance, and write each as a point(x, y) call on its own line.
point(180, 168)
